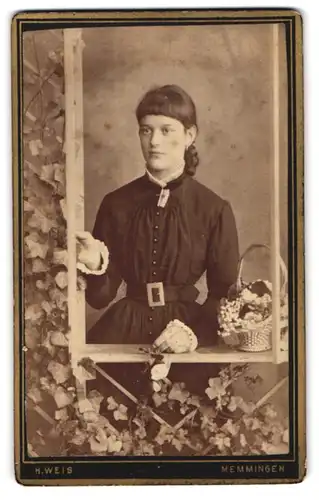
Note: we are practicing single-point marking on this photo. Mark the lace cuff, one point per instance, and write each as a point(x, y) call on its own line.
point(104, 265)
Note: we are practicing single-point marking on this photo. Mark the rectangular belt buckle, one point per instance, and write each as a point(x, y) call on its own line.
point(155, 294)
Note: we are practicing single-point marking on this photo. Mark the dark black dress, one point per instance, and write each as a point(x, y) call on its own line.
point(195, 232)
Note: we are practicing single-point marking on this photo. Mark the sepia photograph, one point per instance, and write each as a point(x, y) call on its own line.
point(157, 170)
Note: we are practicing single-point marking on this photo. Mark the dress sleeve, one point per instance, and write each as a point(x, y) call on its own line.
point(223, 254)
point(101, 289)
point(222, 262)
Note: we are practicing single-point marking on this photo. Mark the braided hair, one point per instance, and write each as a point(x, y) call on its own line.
point(172, 101)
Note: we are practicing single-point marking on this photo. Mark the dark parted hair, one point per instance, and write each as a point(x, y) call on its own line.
point(172, 101)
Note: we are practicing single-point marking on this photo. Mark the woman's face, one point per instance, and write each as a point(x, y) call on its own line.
point(163, 141)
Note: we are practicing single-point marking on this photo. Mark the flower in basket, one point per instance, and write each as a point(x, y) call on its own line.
point(257, 299)
point(245, 319)
point(245, 312)
point(245, 316)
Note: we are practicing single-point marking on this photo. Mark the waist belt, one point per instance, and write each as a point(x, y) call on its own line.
point(158, 294)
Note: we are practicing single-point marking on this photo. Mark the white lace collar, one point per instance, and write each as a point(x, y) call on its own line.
point(163, 182)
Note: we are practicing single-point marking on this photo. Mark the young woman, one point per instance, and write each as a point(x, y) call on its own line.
point(161, 232)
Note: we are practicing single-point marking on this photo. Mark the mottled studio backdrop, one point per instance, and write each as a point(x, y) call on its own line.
point(228, 72)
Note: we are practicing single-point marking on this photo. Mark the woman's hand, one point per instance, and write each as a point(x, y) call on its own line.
point(88, 250)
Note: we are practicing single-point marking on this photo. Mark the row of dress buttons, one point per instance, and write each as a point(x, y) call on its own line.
point(155, 240)
point(154, 262)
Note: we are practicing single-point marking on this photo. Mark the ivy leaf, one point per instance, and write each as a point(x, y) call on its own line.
point(221, 442)
point(121, 413)
point(160, 371)
point(140, 432)
point(97, 446)
point(177, 444)
point(90, 416)
point(111, 403)
point(164, 434)
point(40, 202)
point(42, 285)
point(59, 298)
point(231, 428)
point(61, 414)
point(177, 393)
point(256, 424)
point(48, 386)
point(159, 398)
point(235, 402)
point(60, 373)
point(208, 414)
point(95, 399)
point(82, 375)
point(247, 408)
point(61, 279)
point(181, 438)
point(127, 442)
point(58, 339)
point(53, 174)
point(269, 412)
point(39, 221)
point(70, 427)
point(85, 405)
point(47, 174)
point(35, 395)
point(193, 401)
point(215, 389)
point(145, 449)
point(62, 397)
point(35, 146)
point(46, 343)
point(101, 435)
point(113, 445)
point(127, 447)
point(35, 247)
point(39, 266)
point(60, 257)
point(79, 437)
point(99, 423)
point(33, 313)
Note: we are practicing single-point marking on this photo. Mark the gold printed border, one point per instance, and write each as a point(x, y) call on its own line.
point(228, 16)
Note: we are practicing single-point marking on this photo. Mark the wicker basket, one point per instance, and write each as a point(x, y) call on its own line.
point(256, 336)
